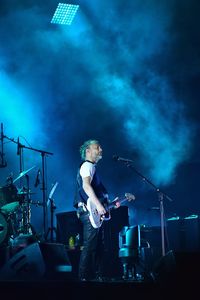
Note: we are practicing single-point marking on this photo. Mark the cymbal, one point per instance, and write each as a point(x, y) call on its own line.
point(25, 193)
point(10, 207)
point(23, 173)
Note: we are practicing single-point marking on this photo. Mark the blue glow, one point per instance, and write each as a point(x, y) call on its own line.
point(16, 108)
point(64, 14)
point(191, 217)
point(161, 138)
point(64, 268)
point(173, 218)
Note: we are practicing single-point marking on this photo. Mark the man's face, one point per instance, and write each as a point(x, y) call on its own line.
point(94, 152)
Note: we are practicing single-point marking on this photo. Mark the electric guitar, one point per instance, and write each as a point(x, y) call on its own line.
point(97, 219)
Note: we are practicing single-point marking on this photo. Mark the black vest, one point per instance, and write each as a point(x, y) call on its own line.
point(96, 184)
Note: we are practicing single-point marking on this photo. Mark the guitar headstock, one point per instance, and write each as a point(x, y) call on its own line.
point(129, 196)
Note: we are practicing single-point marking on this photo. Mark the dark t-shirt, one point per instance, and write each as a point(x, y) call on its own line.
point(88, 168)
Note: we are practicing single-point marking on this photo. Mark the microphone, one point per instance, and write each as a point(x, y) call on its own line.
point(10, 178)
point(37, 180)
point(118, 158)
point(18, 146)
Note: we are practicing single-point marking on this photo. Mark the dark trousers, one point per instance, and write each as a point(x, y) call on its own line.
point(91, 259)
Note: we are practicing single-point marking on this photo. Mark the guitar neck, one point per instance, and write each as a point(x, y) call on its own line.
point(113, 203)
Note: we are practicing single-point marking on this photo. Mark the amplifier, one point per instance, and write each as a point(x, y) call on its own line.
point(184, 233)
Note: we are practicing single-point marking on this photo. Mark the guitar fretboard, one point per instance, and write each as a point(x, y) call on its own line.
point(113, 204)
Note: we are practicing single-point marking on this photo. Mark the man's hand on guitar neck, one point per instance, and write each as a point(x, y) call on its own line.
point(117, 202)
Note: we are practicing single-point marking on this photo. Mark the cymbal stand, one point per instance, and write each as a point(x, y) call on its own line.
point(21, 159)
point(27, 212)
point(44, 193)
point(161, 196)
point(44, 185)
point(3, 163)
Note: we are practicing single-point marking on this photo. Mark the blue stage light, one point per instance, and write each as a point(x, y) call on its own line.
point(64, 14)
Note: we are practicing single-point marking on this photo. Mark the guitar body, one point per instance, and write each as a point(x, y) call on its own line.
point(96, 219)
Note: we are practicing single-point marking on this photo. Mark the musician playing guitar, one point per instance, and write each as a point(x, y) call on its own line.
point(91, 201)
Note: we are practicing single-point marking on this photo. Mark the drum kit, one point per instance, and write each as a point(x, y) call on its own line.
point(15, 210)
point(15, 202)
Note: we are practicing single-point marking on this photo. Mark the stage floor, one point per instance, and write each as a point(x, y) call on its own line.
point(116, 289)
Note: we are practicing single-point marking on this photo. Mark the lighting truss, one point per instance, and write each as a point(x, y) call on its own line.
point(64, 13)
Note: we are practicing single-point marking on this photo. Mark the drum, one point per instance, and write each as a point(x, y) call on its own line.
point(3, 229)
point(9, 201)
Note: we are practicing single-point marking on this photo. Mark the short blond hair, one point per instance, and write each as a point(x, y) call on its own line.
point(85, 146)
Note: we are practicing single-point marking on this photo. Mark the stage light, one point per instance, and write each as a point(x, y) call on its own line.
point(64, 14)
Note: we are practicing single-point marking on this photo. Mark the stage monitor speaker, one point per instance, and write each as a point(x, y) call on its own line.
point(56, 259)
point(27, 264)
point(178, 267)
point(164, 269)
point(184, 234)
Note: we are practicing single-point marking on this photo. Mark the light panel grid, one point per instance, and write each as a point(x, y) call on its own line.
point(64, 13)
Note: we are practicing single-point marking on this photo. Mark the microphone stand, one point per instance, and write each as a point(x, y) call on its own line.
point(21, 159)
point(44, 190)
point(52, 228)
point(44, 186)
point(27, 221)
point(161, 195)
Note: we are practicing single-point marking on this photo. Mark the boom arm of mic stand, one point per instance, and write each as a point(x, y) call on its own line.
point(161, 196)
point(129, 165)
point(30, 148)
